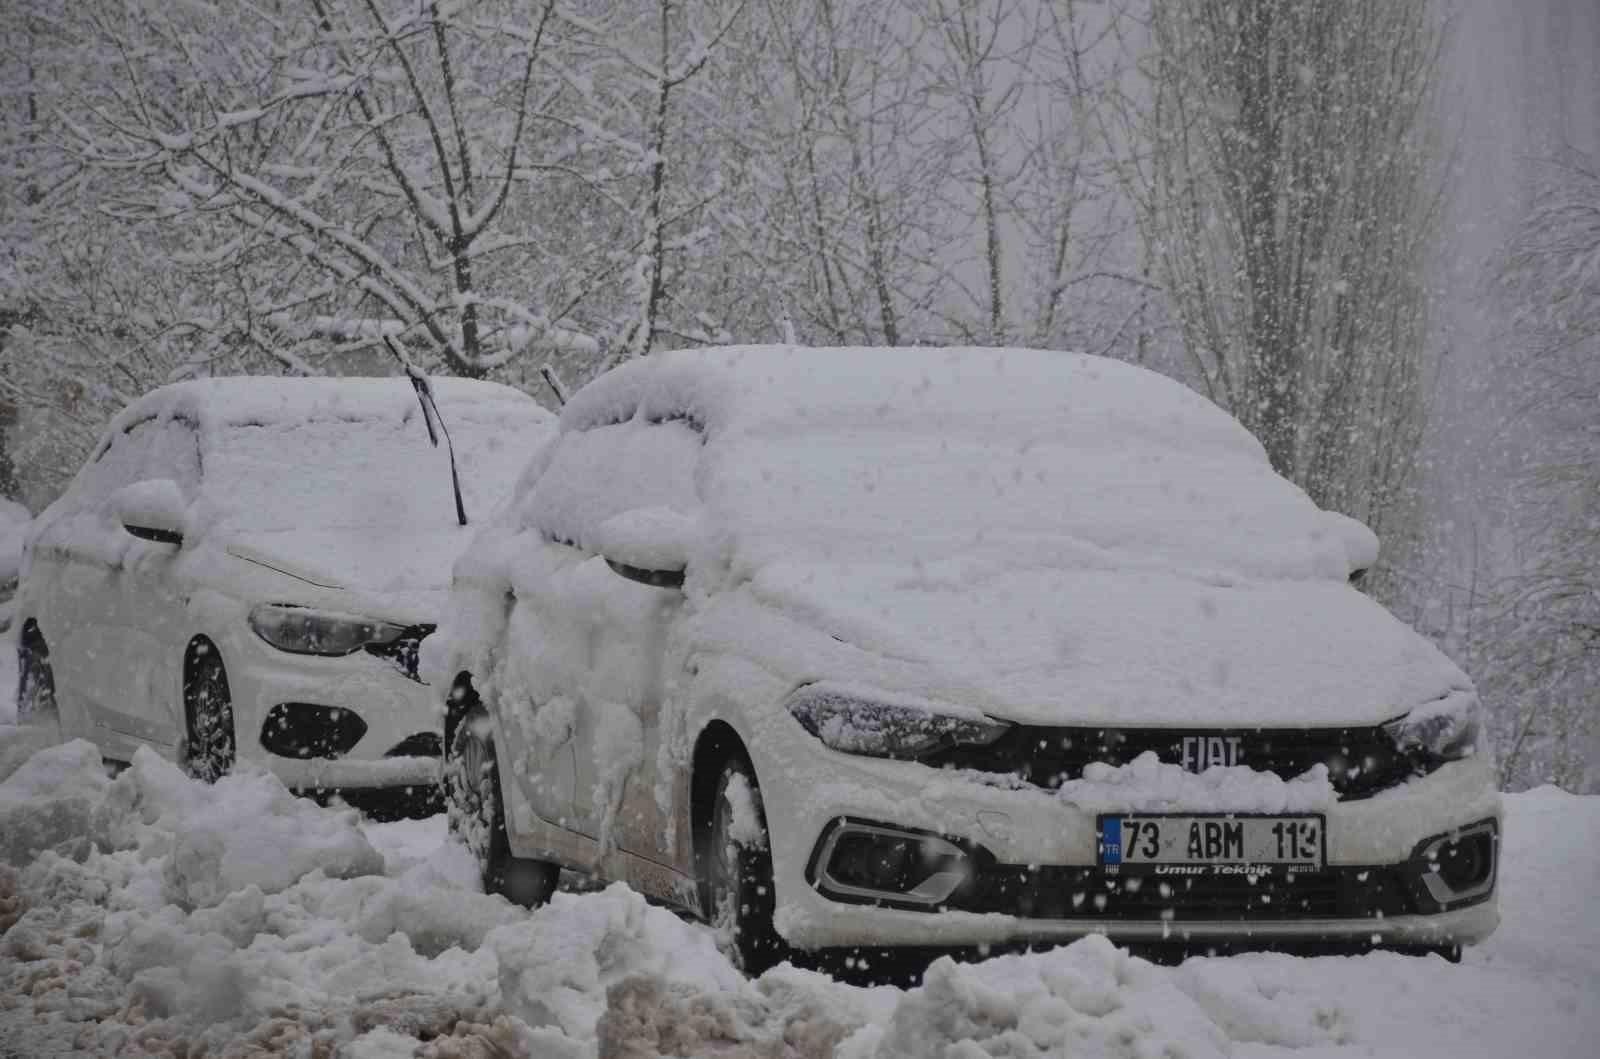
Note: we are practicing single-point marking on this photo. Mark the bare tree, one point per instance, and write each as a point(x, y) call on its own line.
point(1541, 646)
point(1288, 200)
point(367, 168)
point(86, 319)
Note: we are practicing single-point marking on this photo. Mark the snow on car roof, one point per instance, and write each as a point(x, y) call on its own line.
point(222, 401)
point(336, 472)
point(929, 453)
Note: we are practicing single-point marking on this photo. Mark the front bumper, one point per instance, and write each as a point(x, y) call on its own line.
point(400, 718)
point(1037, 881)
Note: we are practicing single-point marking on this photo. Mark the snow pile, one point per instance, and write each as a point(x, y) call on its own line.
point(57, 801)
point(1089, 999)
point(247, 831)
point(1146, 784)
point(160, 916)
point(159, 911)
point(557, 967)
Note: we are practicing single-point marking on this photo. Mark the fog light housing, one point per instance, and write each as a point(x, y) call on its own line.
point(859, 862)
point(1459, 867)
point(305, 730)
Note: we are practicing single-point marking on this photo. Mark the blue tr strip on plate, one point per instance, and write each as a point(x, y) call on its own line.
point(1111, 840)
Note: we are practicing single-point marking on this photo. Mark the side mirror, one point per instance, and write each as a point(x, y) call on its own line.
point(649, 545)
point(151, 510)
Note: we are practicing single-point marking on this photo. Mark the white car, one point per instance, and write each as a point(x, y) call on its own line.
point(890, 648)
point(246, 567)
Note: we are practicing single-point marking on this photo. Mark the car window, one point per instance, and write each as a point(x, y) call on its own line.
point(595, 474)
point(149, 448)
point(376, 473)
point(172, 450)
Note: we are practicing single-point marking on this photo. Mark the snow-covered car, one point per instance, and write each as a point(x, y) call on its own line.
point(14, 520)
point(953, 648)
point(245, 568)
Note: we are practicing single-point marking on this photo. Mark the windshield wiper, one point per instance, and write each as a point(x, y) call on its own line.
point(431, 418)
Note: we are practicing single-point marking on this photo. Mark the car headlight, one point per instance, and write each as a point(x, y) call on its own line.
point(1446, 730)
point(847, 722)
point(303, 631)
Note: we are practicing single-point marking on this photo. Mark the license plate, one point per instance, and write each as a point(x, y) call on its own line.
point(1170, 843)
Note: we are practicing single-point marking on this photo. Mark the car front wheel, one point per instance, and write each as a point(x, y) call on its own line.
point(737, 874)
point(209, 749)
point(36, 682)
point(472, 799)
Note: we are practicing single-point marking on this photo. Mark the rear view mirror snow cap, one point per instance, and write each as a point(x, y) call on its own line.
point(649, 545)
point(152, 510)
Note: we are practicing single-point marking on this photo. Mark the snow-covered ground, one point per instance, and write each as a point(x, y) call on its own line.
point(147, 914)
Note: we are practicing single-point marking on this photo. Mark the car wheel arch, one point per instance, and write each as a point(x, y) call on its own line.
point(198, 647)
point(460, 701)
point(202, 648)
point(717, 743)
point(30, 635)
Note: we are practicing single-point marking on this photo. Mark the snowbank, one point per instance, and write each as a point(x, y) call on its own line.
point(148, 914)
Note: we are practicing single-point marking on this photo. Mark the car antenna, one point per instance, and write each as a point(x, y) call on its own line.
point(431, 418)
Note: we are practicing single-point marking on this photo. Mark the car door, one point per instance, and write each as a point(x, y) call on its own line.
point(608, 659)
point(78, 565)
point(149, 613)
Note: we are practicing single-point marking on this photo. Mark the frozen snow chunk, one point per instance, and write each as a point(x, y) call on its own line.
point(556, 965)
point(253, 831)
point(58, 771)
point(55, 801)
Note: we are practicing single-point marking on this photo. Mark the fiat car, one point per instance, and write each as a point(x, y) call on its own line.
point(904, 649)
point(245, 569)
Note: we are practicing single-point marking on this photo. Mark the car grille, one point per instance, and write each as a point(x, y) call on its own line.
point(1089, 893)
point(1361, 760)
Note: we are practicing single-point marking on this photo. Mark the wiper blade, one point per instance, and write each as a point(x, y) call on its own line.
point(431, 419)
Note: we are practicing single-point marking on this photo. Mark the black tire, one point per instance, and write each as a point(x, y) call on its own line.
point(736, 872)
point(209, 748)
point(36, 681)
point(472, 800)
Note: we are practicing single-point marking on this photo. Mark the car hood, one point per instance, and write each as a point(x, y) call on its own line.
point(1089, 646)
point(407, 568)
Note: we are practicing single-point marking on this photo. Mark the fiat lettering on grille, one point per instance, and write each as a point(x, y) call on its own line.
point(1200, 752)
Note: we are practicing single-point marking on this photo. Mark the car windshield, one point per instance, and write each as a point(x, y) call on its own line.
point(1061, 497)
point(358, 473)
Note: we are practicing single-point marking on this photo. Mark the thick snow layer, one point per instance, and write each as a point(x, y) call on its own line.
point(332, 480)
point(925, 454)
point(1147, 785)
point(1049, 537)
point(117, 939)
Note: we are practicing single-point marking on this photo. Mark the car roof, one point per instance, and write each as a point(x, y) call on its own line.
point(886, 452)
point(730, 389)
point(212, 404)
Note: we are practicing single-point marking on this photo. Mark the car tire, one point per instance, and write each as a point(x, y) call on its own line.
point(209, 747)
point(739, 896)
point(36, 681)
point(476, 814)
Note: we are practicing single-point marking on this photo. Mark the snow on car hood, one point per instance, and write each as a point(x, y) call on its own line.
point(369, 562)
point(1089, 646)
